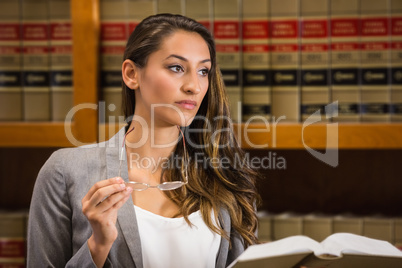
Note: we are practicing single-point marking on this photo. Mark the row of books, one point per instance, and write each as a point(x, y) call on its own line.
point(279, 58)
point(35, 60)
point(13, 233)
point(339, 250)
point(274, 227)
point(286, 58)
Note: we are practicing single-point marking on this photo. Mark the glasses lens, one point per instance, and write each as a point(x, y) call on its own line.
point(137, 186)
point(170, 185)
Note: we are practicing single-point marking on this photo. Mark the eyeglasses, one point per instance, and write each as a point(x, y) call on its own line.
point(165, 186)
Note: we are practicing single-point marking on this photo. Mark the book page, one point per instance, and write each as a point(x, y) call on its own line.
point(286, 246)
point(344, 243)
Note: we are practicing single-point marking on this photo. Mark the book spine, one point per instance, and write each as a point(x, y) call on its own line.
point(228, 51)
point(315, 93)
point(139, 10)
point(171, 6)
point(285, 225)
point(13, 239)
point(61, 66)
point(398, 233)
point(344, 224)
point(317, 227)
point(379, 228)
point(114, 32)
point(35, 35)
point(285, 62)
point(375, 88)
point(396, 61)
point(256, 62)
point(264, 227)
point(10, 61)
point(201, 11)
point(345, 59)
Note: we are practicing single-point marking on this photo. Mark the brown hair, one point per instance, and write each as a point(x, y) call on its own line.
point(213, 186)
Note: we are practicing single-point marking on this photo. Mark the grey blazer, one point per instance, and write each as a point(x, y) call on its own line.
point(58, 231)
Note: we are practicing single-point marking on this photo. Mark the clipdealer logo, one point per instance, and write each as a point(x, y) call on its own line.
point(331, 154)
point(272, 161)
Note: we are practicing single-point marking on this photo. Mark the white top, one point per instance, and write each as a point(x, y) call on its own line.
point(171, 242)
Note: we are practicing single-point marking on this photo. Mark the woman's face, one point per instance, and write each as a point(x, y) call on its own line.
point(174, 81)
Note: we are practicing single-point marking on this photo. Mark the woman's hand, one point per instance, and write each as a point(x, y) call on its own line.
point(100, 206)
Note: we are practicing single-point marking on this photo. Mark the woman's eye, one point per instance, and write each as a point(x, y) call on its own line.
point(204, 72)
point(176, 68)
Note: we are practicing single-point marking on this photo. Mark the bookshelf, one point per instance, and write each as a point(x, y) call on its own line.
point(85, 129)
point(85, 21)
point(342, 136)
point(363, 183)
point(289, 135)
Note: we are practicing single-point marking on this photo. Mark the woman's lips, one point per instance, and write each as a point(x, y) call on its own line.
point(187, 104)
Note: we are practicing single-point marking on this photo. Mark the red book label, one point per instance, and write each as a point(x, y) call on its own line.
point(255, 29)
point(374, 27)
point(314, 29)
point(12, 265)
point(396, 26)
point(112, 50)
point(226, 29)
point(284, 29)
point(256, 48)
point(345, 46)
point(344, 27)
point(35, 32)
point(227, 48)
point(131, 27)
point(206, 23)
point(10, 50)
point(36, 50)
point(113, 31)
point(12, 248)
point(60, 31)
point(375, 46)
point(285, 48)
point(396, 45)
point(314, 47)
point(61, 49)
point(9, 32)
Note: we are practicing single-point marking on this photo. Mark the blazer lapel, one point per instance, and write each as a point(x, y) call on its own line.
point(126, 217)
point(224, 220)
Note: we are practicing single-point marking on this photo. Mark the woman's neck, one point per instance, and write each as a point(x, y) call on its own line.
point(150, 146)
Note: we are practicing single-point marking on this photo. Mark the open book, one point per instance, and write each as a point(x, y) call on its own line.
point(342, 250)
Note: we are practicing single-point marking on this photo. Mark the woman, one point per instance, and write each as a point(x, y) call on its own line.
point(143, 199)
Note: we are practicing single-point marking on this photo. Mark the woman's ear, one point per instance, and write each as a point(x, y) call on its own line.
point(130, 74)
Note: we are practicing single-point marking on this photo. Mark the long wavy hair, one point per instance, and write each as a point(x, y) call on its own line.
point(212, 186)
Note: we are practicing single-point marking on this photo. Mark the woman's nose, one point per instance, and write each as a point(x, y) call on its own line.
point(191, 83)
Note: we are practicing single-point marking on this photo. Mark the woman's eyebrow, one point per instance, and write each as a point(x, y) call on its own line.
point(184, 59)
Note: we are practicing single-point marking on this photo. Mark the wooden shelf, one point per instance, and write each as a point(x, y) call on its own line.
point(295, 136)
point(253, 136)
point(321, 136)
point(85, 33)
point(85, 129)
point(44, 134)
